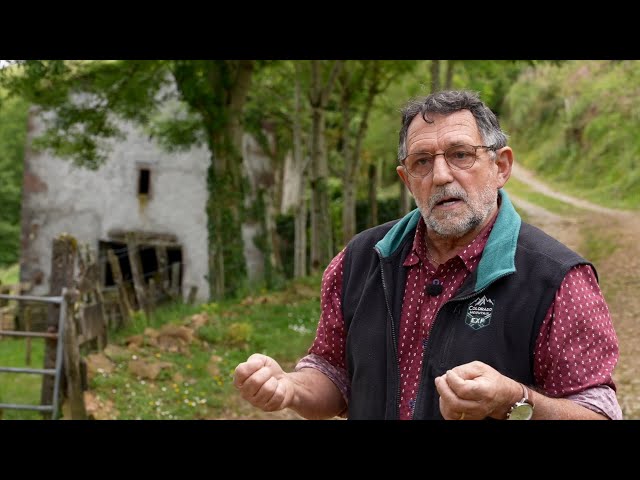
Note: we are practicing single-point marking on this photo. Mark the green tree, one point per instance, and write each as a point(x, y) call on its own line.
point(13, 129)
point(359, 84)
point(88, 96)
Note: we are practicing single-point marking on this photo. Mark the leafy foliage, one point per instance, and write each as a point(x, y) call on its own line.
point(13, 123)
point(100, 92)
point(576, 123)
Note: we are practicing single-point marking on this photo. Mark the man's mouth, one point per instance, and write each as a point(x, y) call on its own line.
point(447, 201)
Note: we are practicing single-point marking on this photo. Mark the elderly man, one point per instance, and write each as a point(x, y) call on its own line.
point(459, 310)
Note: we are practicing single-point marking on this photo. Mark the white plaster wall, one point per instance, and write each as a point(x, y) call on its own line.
point(88, 204)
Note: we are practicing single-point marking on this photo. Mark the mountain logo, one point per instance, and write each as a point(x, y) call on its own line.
point(479, 313)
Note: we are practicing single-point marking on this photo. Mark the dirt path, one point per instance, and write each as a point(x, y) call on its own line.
point(618, 272)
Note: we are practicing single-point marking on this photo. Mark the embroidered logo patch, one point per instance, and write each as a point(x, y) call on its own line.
point(479, 313)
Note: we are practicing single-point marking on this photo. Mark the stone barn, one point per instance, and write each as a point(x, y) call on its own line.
point(141, 189)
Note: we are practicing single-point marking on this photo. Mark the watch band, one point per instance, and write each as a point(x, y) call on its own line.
point(525, 395)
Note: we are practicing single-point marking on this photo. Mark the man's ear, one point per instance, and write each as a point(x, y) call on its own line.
point(404, 176)
point(504, 161)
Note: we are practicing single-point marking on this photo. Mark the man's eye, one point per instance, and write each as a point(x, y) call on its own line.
point(459, 154)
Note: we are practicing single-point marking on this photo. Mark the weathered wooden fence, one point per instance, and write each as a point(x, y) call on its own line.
point(94, 309)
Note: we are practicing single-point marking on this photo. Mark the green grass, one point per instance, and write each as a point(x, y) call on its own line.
point(198, 385)
point(524, 191)
point(10, 275)
point(20, 388)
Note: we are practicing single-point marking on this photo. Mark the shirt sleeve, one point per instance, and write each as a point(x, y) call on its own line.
point(327, 352)
point(577, 348)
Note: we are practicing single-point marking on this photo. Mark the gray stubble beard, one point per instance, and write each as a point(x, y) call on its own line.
point(457, 225)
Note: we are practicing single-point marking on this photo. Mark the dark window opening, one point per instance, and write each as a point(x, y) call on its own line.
point(144, 181)
point(148, 259)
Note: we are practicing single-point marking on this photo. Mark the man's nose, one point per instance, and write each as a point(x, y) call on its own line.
point(441, 170)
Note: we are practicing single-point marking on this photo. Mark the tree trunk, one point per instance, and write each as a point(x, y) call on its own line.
point(227, 265)
point(348, 210)
point(352, 157)
point(257, 227)
point(300, 163)
point(449, 76)
point(348, 178)
point(373, 198)
point(322, 235)
point(435, 75)
point(300, 243)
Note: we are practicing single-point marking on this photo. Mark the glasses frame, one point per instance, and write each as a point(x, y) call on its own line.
point(434, 155)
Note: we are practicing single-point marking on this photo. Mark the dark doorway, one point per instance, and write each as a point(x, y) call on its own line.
point(148, 258)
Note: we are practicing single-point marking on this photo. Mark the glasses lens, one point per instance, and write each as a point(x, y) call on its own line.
point(460, 156)
point(419, 164)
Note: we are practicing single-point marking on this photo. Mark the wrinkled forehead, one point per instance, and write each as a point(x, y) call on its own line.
point(459, 126)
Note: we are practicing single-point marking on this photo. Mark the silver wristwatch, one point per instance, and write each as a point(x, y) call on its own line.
point(523, 409)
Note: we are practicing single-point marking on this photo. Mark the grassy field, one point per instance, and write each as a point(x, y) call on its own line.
point(198, 384)
point(20, 388)
point(197, 380)
point(9, 275)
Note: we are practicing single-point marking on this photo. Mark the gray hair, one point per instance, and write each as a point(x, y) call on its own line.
point(446, 103)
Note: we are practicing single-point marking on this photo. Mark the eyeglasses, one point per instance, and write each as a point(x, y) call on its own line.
point(458, 157)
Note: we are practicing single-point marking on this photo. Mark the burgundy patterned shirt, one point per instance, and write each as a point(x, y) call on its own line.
point(575, 353)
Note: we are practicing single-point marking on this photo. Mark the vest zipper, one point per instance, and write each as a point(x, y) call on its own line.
point(435, 319)
point(394, 340)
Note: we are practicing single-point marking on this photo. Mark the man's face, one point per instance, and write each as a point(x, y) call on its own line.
point(452, 202)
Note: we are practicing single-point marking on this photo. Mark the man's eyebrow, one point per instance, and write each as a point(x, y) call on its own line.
point(447, 145)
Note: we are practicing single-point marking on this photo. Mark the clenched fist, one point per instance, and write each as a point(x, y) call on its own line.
point(262, 382)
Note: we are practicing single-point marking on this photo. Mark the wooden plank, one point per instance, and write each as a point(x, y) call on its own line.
point(163, 267)
point(97, 291)
point(152, 294)
point(137, 273)
point(123, 297)
point(92, 324)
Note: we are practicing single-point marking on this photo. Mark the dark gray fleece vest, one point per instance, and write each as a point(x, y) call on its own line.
point(494, 317)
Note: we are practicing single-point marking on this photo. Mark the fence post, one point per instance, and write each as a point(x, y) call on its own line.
point(99, 298)
point(63, 257)
point(27, 328)
point(72, 360)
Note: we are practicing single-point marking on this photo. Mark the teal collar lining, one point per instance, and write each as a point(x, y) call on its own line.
point(498, 257)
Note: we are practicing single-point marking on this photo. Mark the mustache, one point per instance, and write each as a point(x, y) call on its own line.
point(447, 192)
